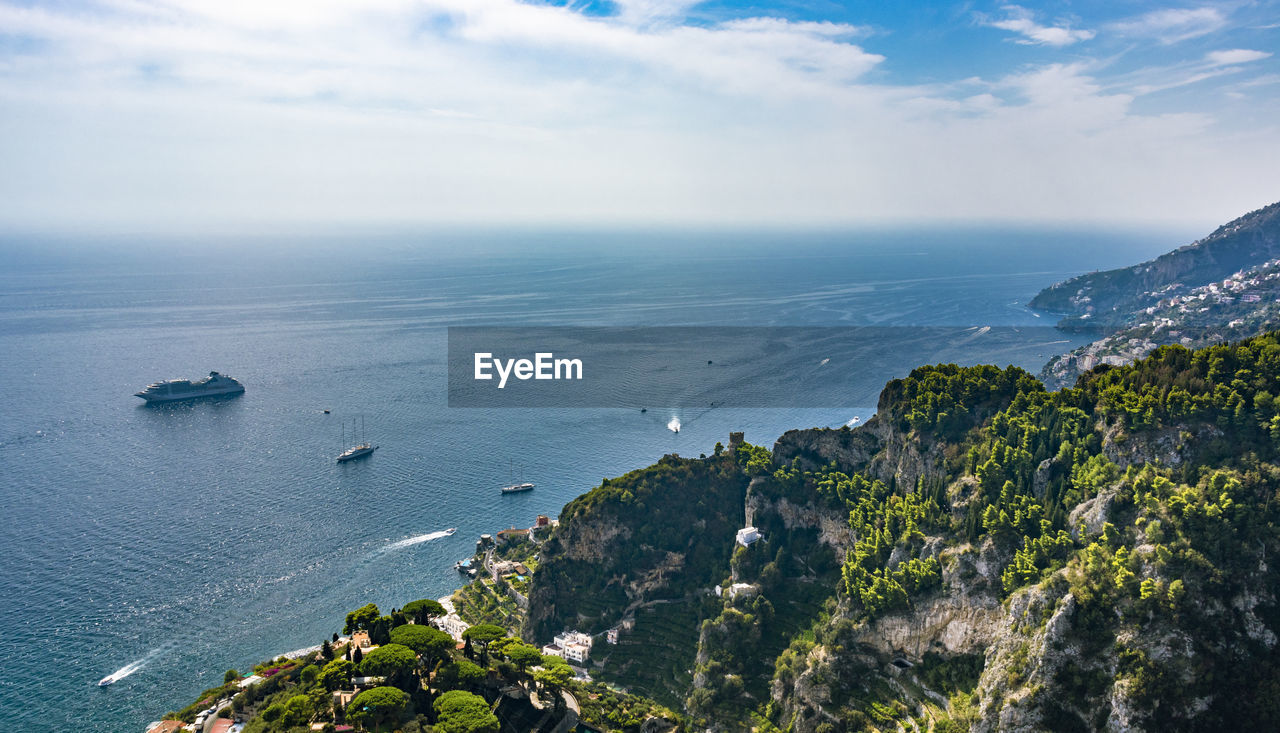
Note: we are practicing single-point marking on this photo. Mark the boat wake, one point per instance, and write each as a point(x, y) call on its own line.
point(124, 671)
point(417, 540)
point(674, 425)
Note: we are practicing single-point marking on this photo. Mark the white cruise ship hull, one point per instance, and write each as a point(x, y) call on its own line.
point(190, 396)
point(179, 390)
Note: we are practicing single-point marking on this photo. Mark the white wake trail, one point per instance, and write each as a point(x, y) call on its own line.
point(125, 671)
point(417, 540)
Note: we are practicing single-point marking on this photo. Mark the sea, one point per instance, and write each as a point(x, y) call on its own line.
point(166, 545)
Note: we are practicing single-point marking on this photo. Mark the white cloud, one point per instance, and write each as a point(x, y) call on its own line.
point(646, 12)
point(1020, 20)
point(1235, 56)
point(186, 113)
point(1172, 25)
point(1213, 65)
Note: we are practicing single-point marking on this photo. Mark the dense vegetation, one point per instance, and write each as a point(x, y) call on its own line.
point(416, 680)
point(672, 522)
point(1143, 498)
point(1181, 542)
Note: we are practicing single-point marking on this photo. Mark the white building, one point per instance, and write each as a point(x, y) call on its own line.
point(575, 652)
point(574, 646)
point(572, 652)
point(574, 637)
point(747, 535)
point(453, 625)
point(746, 590)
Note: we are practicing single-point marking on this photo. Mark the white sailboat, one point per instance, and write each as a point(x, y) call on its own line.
point(516, 488)
point(360, 449)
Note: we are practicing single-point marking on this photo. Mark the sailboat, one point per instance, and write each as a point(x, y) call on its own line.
point(515, 488)
point(360, 449)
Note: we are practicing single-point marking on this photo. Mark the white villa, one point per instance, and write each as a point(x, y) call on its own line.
point(574, 646)
point(453, 625)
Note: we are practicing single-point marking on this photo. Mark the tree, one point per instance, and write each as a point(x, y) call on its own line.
point(273, 712)
point(326, 650)
point(483, 635)
point(336, 674)
point(553, 676)
point(379, 705)
point(522, 655)
point(390, 661)
point(463, 712)
point(357, 656)
point(422, 611)
point(362, 618)
point(230, 674)
point(297, 711)
point(458, 674)
point(380, 630)
point(432, 644)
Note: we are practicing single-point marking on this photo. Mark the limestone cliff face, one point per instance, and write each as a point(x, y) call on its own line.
point(817, 447)
point(832, 526)
point(1044, 672)
point(1168, 447)
point(658, 533)
point(878, 448)
point(589, 539)
point(962, 619)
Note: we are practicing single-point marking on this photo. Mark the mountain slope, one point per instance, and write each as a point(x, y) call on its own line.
point(983, 554)
point(1111, 297)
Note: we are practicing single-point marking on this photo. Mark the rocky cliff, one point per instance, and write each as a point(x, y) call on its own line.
point(982, 555)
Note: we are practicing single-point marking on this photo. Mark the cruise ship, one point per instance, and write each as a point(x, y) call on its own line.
point(174, 390)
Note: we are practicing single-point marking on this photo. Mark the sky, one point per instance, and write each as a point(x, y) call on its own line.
point(245, 115)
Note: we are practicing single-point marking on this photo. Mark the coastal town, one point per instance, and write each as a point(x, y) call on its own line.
point(1245, 303)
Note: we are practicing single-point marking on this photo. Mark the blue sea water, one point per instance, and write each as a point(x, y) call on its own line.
point(185, 540)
